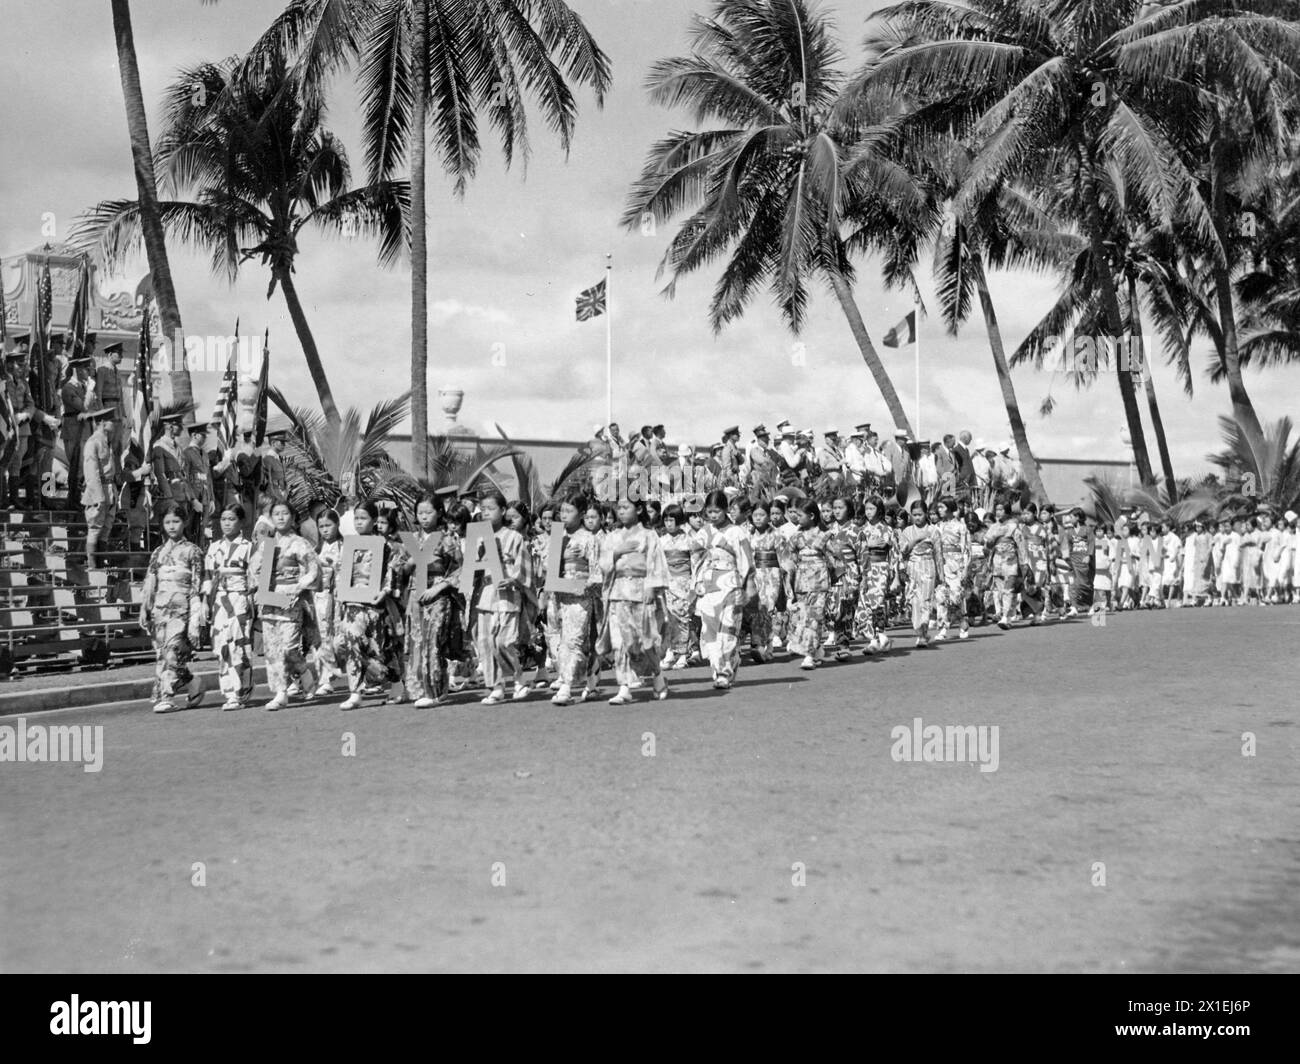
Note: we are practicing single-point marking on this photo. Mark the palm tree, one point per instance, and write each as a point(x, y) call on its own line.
point(770, 188)
point(1066, 91)
point(146, 184)
point(258, 167)
point(1268, 474)
point(443, 63)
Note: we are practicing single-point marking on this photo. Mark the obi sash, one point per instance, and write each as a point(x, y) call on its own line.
point(679, 562)
point(765, 559)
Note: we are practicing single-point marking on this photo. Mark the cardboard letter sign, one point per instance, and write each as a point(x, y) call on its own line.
point(479, 540)
point(266, 594)
point(423, 556)
point(367, 592)
point(555, 553)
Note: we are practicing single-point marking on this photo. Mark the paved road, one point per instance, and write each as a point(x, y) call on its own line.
point(1119, 744)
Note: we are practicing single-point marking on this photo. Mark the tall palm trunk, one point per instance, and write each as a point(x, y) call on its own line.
point(1028, 465)
point(1243, 410)
point(1157, 424)
point(146, 185)
point(314, 365)
point(1101, 270)
point(859, 329)
point(419, 247)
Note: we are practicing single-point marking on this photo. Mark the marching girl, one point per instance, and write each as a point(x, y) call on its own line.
point(388, 525)
point(1251, 557)
point(695, 520)
point(1200, 563)
point(323, 601)
point(920, 551)
point(532, 636)
point(1218, 548)
point(771, 558)
point(1272, 550)
point(877, 558)
point(1005, 544)
point(1153, 553)
point(814, 561)
point(1038, 579)
point(297, 573)
point(979, 576)
point(570, 615)
point(635, 594)
point(498, 606)
point(725, 584)
point(435, 617)
point(360, 626)
point(845, 592)
point(953, 578)
point(683, 558)
point(1230, 576)
point(228, 593)
point(171, 611)
point(1171, 553)
point(1078, 549)
point(1103, 582)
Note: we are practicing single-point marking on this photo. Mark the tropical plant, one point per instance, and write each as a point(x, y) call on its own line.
point(1268, 474)
point(441, 63)
point(258, 167)
point(770, 188)
point(1109, 502)
point(155, 246)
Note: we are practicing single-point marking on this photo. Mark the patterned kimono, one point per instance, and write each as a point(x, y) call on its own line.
point(570, 632)
point(173, 607)
point(226, 587)
point(360, 633)
point(954, 580)
point(1005, 542)
point(728, 563)
point(1079, 545)
point(813, 558)
point(429, 626)
point(497, 610)
point(845, 591)
point(326, 611)
point(921, 551)
point(771, 559)
point(877, 558)
point(683, 557)
point(282, 626)
point(1036, 585)
point(635, 585)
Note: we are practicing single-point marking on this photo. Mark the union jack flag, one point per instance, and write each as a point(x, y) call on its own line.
point(591, 303)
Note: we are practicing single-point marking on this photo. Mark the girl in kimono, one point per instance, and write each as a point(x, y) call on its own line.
point(569, 614)
point(297, 574)
point(1171, 553)
point(920, 551)
point(877, 559)
point(1251, 557)
point(635, 592)
point(432, 615)
point(1005, 543)
point(979, 575)
point(724, 584)
point(227, 592)
point(1103, 581)
point(393, 627)
point(1037, 579)
point(845, 592)
point(360, 626)
point(532, 634)
point(1201, 547)
point(953, 579)
point(324, 603)
point(171, 611)
point(695, 521)
point(770, 559)
point(497, 606)
point(814, 561)
point(682, 558)
point(1078, 549)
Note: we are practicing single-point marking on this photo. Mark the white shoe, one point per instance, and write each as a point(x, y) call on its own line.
point(667, 661)
point(164, 706)
point(808, 663)
point(232, 703)
point(661, 688)
point(636, 682)
point(885, 644)
point(325, 689)
point(353, 702)
point(563, 696)
point(623, 698)
point(428, 703)
point(522, 691)
point(942, 634)
point(589, 694)
point(680, 663)
point(279, 701)
point(964, 633)
point(494, 697)
point(555, 685)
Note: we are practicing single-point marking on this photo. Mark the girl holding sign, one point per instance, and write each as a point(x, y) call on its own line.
point(499, 602)
point(171, 610)
point(227, 591)
point(434, 609)
point(360, 625)
point(331, 544)
point(636, 609)
point(569, 612)
point(295, 573)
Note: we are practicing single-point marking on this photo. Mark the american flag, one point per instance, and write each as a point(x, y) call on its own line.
point(226, 412)
point(41, 314)
point(591, 303)
point(79, 323)
point(140, 442)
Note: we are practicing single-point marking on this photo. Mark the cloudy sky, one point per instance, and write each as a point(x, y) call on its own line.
point(507, 260)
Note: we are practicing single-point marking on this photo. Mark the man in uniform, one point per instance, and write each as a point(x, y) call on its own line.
point(168, 467)
point(761, 458)
point(198, 477)
point(732, 456)
point(240, 469)
point(99, 478)
point(73, 395)
point(23, 471)
point(829, 456)
point(108, 387)
point(272, 487)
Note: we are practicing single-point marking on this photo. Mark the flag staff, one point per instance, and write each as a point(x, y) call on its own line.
point(609, 341)
point(916, 310)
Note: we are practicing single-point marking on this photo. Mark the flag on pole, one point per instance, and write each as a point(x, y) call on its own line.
point(139, 444)
point(895, 335)
point(79, 323)
point(4, 313)
point(591, 303)
point(263, 387)
point(42, 311)
point(225, 414)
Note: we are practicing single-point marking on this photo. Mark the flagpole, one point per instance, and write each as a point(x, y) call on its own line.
point(916, 312)
point(609, 341)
